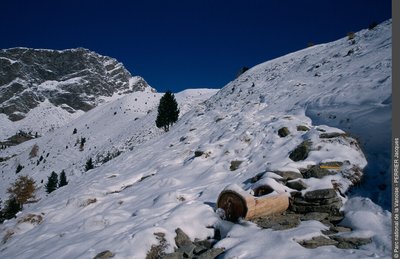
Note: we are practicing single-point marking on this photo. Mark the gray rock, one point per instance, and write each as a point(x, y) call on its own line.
point(341, 229)
point(320, 194)
point(302, 128)
point(204, 243)
point(187, 249)
point(319, 216)
point(336, 218)
point(104, 255)
point(317, 172)
point(235, 165)
point(278, 222)
point(301, 151)
point(175, 255)
point(330, 201)
point(289, 175)
point(297, 185)
point(212, 253)
point(351, 242)
point(181, 238)
point(317, 242)
point(332, 135)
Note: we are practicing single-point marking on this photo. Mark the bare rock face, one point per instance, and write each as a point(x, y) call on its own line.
point(73, 79)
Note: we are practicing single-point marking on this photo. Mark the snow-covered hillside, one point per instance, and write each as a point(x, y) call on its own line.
point(164, 181)
point(108, 130)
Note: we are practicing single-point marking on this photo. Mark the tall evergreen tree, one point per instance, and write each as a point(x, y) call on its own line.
point(63, 179)
point(52, 182)
point(168, 112)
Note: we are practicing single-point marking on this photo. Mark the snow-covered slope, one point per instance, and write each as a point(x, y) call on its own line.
point(162, 183)
point(109, 130)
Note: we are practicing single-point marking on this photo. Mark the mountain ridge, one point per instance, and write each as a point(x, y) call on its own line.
point(72, 79)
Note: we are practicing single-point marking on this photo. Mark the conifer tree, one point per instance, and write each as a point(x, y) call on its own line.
point(168, 112)
point(89, 164)
point(11, 208)
point(52, 182)
point(63, 179)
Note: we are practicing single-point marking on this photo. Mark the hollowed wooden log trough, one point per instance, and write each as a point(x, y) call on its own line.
point(237, 203)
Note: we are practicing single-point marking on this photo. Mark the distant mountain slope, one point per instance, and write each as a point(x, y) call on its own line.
point(73, 79)
point(172, 180)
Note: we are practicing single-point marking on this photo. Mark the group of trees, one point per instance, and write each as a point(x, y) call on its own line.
point(53, 182)
point(21, 191)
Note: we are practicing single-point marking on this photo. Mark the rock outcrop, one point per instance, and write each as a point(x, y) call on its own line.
point(74, 79)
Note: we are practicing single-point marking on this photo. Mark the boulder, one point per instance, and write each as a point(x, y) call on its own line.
point(297, 185)
point(301, 151)
point(320, 194)
point(317, 172)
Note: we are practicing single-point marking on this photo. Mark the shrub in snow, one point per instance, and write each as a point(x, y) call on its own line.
point(168, 111)
point(34, 151)
point(350, 35)
point(158, 251)
point(372, 25)
point(52, 182)
point(82, 143)
point(22, 189)
point(283, 132)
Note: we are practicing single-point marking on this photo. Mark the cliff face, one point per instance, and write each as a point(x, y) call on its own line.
point(73, 79)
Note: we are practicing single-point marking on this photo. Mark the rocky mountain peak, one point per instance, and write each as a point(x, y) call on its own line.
point(74, 79)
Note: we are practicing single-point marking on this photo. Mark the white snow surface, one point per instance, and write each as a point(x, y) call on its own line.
point(157, 184)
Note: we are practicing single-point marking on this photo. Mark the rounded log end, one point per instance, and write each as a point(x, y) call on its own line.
point(233, 205)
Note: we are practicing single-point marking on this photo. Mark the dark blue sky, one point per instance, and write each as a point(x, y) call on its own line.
point(178, 44)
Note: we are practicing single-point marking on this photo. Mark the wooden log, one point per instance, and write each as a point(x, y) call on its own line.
point(237, 203)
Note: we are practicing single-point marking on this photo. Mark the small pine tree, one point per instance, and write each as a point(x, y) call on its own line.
point(89, 164)
point(242, 70)
point(63, 179)
point(74, 131)
point(19, 168)
point(11, 208)
point(168, 112)
point(22, 189)
point(82, 145)
point(52, 182)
